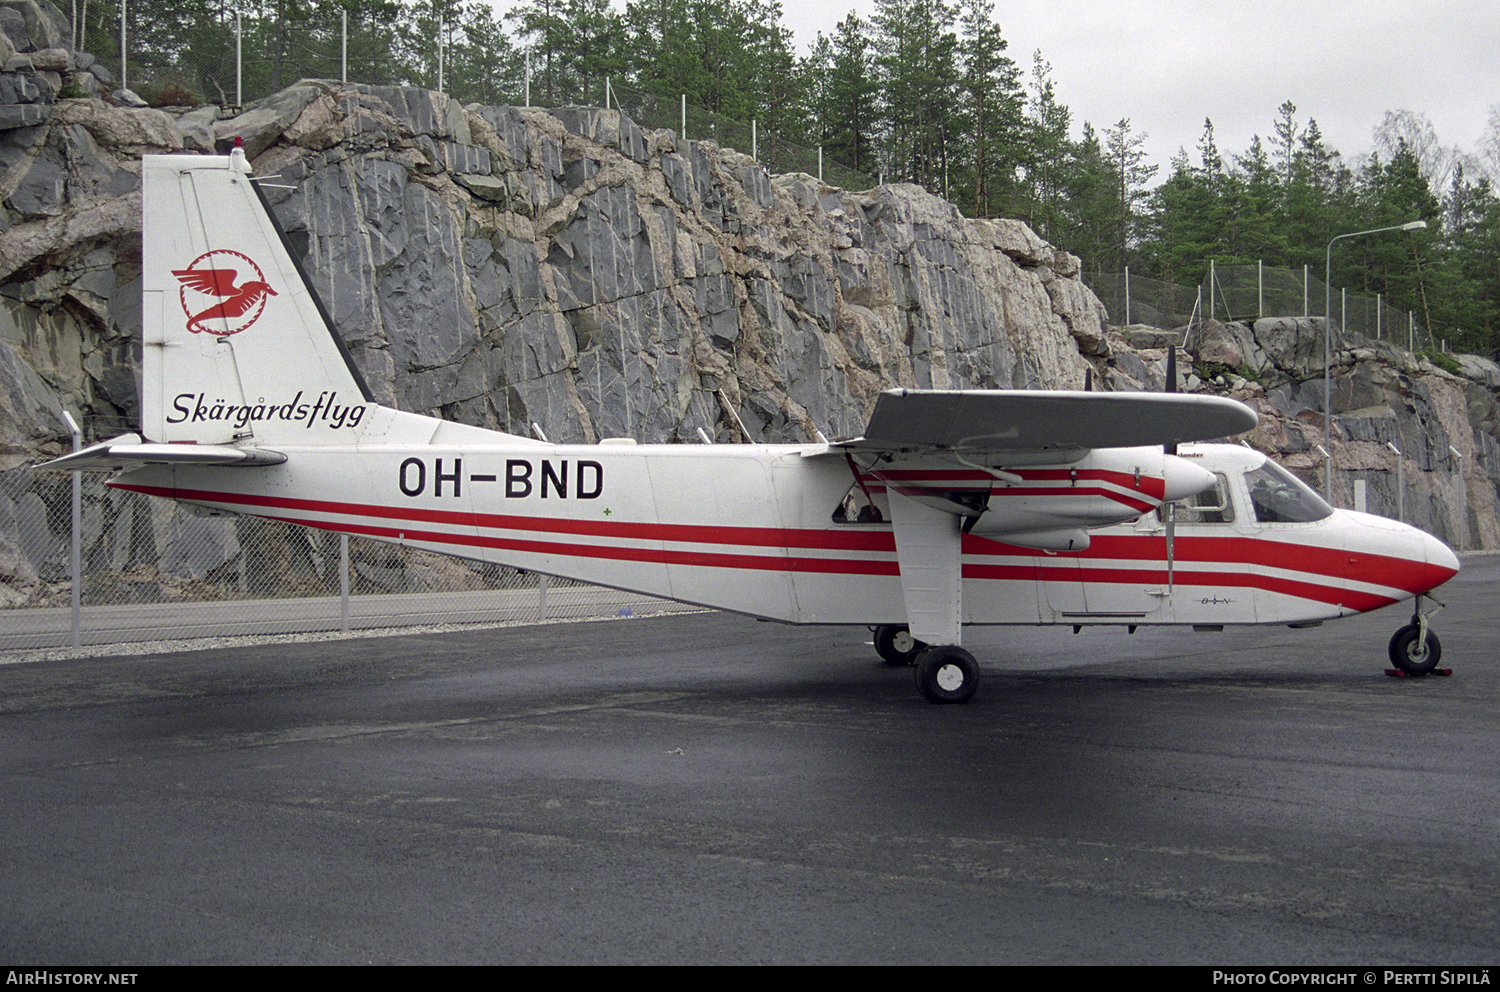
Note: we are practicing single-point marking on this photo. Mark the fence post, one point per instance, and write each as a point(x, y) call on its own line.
point(1304, 291)
point(75, 549)
point(1400, 483)
point(820, 163)
point(124, 76)
point(1377, 316)
point(754, 141)
point(344, 48)
point(1212, 279)
point(239, 62)
point(1464, 489)
point(344, 583)
point(1127, 294)
point(1260, 288)
point(684, 117)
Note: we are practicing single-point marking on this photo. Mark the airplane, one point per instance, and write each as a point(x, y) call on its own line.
point(954, 508)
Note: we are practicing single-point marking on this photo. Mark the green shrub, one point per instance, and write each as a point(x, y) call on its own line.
point(1442, 360)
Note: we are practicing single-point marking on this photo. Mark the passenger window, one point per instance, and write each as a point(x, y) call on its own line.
point(857, 508)
point(1211, 506)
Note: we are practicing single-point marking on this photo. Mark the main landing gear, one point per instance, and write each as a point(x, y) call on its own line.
point(1415, 649)
point(895, 645)
point(943, 674)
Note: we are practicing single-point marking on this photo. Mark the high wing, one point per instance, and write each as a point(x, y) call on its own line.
point(978, 421)
point(1027, 468)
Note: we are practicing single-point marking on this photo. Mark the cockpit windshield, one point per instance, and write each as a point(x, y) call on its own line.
point(1278, 496)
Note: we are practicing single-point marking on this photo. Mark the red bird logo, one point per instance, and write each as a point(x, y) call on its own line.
point(239, 306)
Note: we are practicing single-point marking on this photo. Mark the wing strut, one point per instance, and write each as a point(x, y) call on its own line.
point(928, 547)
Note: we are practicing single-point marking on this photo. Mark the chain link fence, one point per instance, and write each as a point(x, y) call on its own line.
point(773, 151)
point(1249, 292)
point(184, 54)
point(150, 569)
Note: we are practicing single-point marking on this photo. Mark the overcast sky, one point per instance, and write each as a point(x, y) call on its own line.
point(1168, 64)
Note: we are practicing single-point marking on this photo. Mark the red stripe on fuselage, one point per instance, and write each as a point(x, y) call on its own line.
point(847, 538)
point(1397, 573)
point(660, 556)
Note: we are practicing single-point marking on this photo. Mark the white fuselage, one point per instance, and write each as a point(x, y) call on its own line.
point(753, 529)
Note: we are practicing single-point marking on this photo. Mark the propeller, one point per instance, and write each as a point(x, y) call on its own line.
point(1170, 448)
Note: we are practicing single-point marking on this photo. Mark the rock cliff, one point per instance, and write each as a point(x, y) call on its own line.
point(507, 266)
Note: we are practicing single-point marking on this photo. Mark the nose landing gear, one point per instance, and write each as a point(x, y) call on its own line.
point(1415, 649)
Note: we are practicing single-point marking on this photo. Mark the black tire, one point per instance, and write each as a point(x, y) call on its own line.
point(890, 638)
point(1409, 656)
point(946, 674)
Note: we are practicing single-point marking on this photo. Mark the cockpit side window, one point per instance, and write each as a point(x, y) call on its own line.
point(1277, 496)
point(1212, 506)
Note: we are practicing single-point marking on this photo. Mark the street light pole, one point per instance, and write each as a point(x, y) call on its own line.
point(1415, 225)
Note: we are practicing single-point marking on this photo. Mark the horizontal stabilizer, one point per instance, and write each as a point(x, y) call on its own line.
point(1040, 420)
point(128, 451)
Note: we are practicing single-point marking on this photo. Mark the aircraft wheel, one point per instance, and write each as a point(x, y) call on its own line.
point(946, 674)
point(895, 645)
point(1410, 656)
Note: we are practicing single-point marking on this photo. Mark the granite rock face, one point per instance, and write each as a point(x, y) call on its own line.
point(506, 267)
point(1389, 406)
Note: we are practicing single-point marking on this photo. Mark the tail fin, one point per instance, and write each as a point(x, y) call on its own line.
point(237, 346)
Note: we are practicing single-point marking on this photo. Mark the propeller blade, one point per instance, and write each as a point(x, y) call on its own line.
point(1171, 539)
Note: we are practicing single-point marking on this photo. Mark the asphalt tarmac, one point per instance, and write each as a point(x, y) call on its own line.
point(708, 789)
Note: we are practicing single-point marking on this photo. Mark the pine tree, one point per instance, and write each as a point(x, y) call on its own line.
point(1397, 265)
point(1475, 315)
point(917, 66)
point(1048, 151)
point(993, 109)
point(1257, 230)
point(1090, 208)
point(1129, 174)
point(731, 57)
point(847, 94)
point(482, 64)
